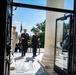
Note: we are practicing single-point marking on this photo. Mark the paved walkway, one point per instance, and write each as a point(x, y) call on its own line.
point(28, 65)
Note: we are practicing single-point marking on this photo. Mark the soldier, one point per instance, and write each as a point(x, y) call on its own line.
point(35, 43)
point(24, 39)
point(65, 43)
point(14, 38)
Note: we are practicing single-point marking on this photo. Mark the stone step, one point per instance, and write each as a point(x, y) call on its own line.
point(47, 70)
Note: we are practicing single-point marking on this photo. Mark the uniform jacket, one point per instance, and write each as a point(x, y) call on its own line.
point(65, 43)
point(25, 38)
point(35, 40)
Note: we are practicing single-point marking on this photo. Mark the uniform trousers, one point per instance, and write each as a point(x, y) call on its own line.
point(34, 50)
point(24, 49)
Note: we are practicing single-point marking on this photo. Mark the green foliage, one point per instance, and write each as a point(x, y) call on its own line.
point(30, 41)
point(65, 26)
point(40, 28)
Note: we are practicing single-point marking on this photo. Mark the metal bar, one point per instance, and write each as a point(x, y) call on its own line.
point(41, 7)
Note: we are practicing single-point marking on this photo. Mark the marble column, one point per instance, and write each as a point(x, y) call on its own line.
point(48, 57)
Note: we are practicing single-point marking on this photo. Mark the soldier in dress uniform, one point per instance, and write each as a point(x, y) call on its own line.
point(24, 40)
point(14, 38)
point(35, 39)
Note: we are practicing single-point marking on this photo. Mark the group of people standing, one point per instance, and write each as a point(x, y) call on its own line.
point(24, 39)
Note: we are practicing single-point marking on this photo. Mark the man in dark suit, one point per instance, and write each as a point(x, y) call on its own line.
point(35, 39)
point(24, 39)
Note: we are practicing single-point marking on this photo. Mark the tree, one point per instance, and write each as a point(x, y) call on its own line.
point(40, 28)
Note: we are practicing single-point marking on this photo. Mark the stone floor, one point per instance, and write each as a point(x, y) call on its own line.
point(28, 65)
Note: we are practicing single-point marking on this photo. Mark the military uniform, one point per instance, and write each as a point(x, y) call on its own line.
point(14, 39)
point(25, 38)
point(65, 43)
point(35, 44)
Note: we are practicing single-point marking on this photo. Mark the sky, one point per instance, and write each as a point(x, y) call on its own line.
point(30, 17)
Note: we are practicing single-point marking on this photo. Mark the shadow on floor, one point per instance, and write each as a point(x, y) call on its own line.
point(29, 59)
point(18, 58)
point(40, 72)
